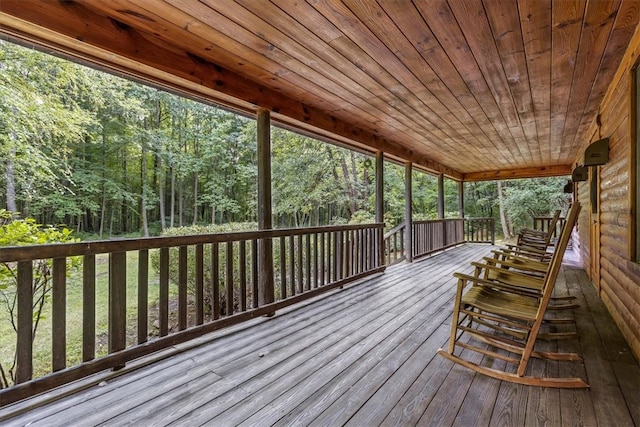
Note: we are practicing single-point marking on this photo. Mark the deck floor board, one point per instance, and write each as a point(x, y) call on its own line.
point(364, 355)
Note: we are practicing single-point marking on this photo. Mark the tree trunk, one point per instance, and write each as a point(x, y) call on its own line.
point(143, 180)
point(104, 187)
point(161, 178)
point(195, 186)
point(173, 195)
point(503, 215)
point(10, 177)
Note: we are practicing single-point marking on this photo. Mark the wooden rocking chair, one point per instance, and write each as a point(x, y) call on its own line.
point(500, 314)
point(539, 238)
point(529, 261)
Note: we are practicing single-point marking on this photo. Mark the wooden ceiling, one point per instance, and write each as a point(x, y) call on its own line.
point(469, 88)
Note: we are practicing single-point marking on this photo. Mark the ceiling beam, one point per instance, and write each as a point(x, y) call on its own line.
point(75, 31)
point(534, 172)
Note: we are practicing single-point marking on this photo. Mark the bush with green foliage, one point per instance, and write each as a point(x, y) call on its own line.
point(23, 232)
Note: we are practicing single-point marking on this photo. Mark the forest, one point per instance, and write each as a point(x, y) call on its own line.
point(109, 157)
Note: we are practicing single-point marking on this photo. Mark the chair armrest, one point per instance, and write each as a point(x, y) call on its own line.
point(464, 279)
point(510, 278)
point(518, 263)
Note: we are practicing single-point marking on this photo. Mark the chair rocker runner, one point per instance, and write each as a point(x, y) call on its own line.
point(491, 313)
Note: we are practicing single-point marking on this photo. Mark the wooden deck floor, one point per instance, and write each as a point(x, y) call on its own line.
point(361, 356)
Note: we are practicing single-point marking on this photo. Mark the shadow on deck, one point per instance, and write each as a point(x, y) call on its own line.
point(362, 356)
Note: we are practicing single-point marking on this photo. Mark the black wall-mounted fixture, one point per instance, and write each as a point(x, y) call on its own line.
point(597, 153)
point(569, 187)
point(580, 173)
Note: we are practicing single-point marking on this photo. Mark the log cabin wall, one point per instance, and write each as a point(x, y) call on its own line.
point(618, 281)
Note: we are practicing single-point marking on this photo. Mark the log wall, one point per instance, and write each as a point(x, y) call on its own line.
point(619, 283)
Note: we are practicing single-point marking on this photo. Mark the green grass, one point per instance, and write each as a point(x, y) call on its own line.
point(43, 339)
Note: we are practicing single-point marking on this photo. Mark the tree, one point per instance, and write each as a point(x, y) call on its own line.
point(39, 115)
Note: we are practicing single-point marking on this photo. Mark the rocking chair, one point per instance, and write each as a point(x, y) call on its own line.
point(499, 313)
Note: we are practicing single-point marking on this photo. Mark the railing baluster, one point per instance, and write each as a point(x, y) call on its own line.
point(300, 261)
point(283, 268)
point(143, 295)
point(254, 272)
point(24, 344)
point(315, 260)
point(59, 314)
point(338, 255)
point(117, 301)
point(322, 260)
point(88, 307)
point(182, 288)
point(229, 273)
point(199, 266)
point(307, 280)
point(292, 265)
point(163, 298)
point(242, 262)
point(215, 279)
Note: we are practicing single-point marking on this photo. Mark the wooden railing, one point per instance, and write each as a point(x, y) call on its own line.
point(394, 248)
point(543, 223)
point(435, 235)
point(203, 283)
point(479, 230)
point(432, 236)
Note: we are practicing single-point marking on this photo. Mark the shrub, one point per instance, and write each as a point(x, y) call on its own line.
point(22, 232)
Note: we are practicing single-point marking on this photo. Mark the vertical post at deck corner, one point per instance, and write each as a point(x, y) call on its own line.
point(266, 292)
point(380, 204)
point(408, 216)
point(461, 199)
point(461, 209)
point(441, 208)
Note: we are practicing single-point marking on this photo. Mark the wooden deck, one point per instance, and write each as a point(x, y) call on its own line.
point(361, 356)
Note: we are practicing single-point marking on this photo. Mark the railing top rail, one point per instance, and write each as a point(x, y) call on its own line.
point(394, 230)
point(548, 218)
point(60, 250)
point(436, 221)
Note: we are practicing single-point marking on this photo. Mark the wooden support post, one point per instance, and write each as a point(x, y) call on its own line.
point(266, 293)
point(408, 215)
point(441, 207)
point(441, 196)
point(461, 199)
point(380, 205)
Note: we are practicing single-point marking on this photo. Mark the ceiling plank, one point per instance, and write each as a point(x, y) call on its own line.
point(624, 27)
point(464, 103)
point(445, 28)
point(596, 27)
point(478, 35)
point(535, 20)
point(567, 17)
point(507, 33)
